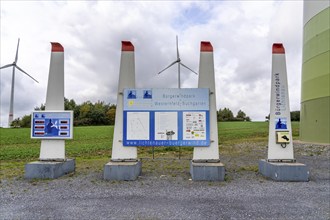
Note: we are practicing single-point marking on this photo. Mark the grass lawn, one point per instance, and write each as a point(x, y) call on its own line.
point(91, 146)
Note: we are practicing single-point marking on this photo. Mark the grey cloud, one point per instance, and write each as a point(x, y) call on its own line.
point(91, 32)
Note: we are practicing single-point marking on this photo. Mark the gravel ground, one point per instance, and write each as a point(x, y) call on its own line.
point(170, 194)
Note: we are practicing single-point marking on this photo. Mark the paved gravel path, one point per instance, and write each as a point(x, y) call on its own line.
point(245, 195)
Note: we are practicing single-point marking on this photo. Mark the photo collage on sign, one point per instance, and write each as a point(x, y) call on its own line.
point(194, 125)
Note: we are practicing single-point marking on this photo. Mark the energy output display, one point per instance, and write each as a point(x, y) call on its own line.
point(166, 117)
point(52, 125)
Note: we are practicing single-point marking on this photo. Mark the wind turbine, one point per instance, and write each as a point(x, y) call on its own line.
point(178, 60)
point(14, 65)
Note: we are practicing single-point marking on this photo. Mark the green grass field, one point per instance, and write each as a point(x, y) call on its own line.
point(95, 142)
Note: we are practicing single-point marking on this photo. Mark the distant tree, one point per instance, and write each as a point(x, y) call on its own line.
point(16, 123)
point(111, 115)
point(82, 122)
point(99, 113)
point(295, 115)
point(225, 115)
point(241, 116)
point(41, 108)
point(85, 110)
point(26, 121)
point(76, 112)
point(69, 104)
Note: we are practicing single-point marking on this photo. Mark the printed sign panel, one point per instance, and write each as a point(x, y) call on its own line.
point(282, 137)
point(166, 117)
point(280, 123)
point(52, 125)
point(194, 126)
point(166, 126)
point(138, 125)
point(280, 95)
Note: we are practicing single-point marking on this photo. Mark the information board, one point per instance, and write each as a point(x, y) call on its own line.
point(166, 117)
point(52, 125)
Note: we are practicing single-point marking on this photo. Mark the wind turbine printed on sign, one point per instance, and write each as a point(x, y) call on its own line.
point(14, 65)
point(178, 60)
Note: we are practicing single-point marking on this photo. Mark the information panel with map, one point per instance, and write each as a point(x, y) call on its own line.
point(166, 117)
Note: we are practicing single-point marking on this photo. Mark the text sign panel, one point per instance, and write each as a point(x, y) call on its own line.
point(52, 125)
point(166, 117)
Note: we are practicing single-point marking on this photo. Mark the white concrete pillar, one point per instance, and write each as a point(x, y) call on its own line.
point(126, 80)
point(207, 80)
point(54, 149)
point(280, 120)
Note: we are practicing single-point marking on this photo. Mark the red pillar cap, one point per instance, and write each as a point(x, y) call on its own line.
point(57, 47)
point(278, 48)
point(206, 46)
point(127, 46)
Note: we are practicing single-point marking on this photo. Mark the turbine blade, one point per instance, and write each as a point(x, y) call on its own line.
point(168, 66)
point(188, 68)
point(16, 58)
point(179, 76)
point(26, 73)
point(177, 48)
point(5, 66)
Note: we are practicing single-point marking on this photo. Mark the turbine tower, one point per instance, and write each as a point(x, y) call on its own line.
point(178, 60)
point(14, 65)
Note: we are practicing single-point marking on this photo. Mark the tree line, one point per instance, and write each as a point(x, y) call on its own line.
point(227, 115)
point(101, 113)
point(85, 114)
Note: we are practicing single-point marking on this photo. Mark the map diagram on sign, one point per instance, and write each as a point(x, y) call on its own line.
point(137, 125)
point(194, 126)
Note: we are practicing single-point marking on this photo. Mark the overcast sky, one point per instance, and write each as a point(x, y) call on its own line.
point(241, 32)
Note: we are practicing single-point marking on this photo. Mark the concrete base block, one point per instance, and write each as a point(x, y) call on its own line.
point(49, 169)
point(122, 170)
point(284, 172)
point(207, 171)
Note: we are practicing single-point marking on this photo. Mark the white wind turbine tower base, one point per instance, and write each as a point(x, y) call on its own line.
point(14, 65)
point(178, 60)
